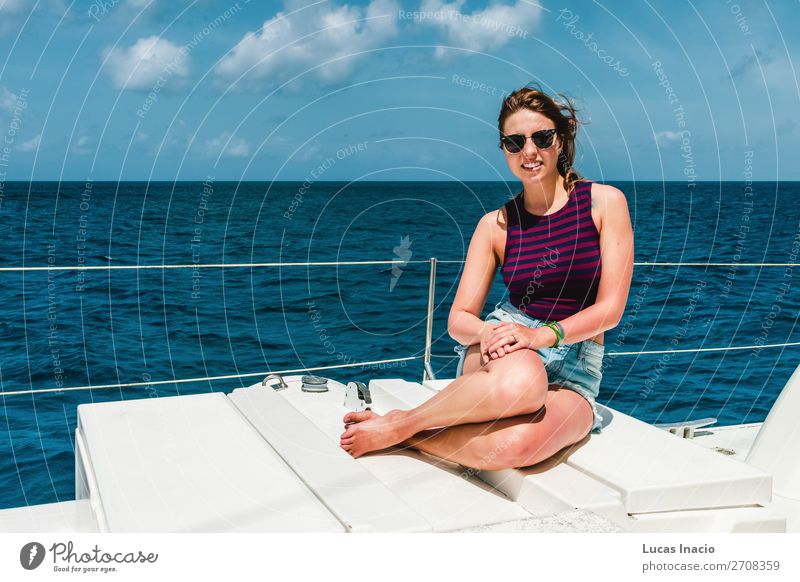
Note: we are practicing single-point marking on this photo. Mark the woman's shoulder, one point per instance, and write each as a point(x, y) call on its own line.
point(601, 194)
point(606, 199)
point(495, 220)
point(604, 192)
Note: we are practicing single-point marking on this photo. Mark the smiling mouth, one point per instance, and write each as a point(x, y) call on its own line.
point(532, 166)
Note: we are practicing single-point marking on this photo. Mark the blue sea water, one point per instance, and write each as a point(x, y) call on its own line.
point(61, 329)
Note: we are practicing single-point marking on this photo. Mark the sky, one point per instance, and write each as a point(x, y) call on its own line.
point(392, 89)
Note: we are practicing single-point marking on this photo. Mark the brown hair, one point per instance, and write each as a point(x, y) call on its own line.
point(562, 114)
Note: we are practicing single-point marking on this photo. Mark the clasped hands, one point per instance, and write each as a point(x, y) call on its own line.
point(506, 337)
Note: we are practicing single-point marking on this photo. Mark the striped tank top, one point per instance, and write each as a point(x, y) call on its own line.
point(552, 263)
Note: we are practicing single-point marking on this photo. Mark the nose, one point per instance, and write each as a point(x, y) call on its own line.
point(529, 149)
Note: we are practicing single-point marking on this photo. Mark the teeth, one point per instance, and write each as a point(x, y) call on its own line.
point(531, 166)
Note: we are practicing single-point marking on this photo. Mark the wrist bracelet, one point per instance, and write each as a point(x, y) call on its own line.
point(558, 330)
point(561, 329)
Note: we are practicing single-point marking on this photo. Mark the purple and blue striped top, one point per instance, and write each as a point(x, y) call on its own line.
point(552, 263)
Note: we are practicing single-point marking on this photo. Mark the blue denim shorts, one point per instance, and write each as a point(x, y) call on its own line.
point(577, 367)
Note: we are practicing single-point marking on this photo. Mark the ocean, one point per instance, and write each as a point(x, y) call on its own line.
point(67, 328)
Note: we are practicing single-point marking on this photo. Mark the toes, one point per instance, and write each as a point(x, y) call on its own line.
point(358, 416)
point(349, 433)
point(350, 449)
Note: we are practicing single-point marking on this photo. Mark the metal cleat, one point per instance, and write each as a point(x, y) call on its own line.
point(686, 429)
point(282, 385)
point(357, 397)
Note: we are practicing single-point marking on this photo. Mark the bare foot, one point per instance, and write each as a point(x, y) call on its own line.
point(368, 431)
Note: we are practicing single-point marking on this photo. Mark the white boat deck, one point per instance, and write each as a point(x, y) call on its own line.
point(733, 442)
point(190, 463)
point(63, 517)
point(265, 460)
point(395, 490)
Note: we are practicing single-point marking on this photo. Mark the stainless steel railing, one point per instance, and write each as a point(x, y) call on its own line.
point(428, 373)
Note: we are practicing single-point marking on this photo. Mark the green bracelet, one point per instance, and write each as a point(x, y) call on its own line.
point(559, 331)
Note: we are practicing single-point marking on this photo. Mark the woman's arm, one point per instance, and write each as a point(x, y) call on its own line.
point(464, 324)
point(616, 256)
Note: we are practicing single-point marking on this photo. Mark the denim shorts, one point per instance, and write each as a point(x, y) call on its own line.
point(577, 367)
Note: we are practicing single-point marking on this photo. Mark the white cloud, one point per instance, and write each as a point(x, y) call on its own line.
point(226, 146)
point(11, 5)
point(7, 100)
point(288, 44)
point(83, 146)
point(12, 14)
point(665, 138)
point(146, 65)
point(482, 30)
point(32, 144)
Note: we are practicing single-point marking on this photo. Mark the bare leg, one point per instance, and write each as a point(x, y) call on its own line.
point(513, 385)
point(518, 441)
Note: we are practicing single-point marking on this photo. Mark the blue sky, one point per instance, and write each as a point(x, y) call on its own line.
point(391, 89)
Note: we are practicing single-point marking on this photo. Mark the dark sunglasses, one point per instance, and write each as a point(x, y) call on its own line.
point(541, 139)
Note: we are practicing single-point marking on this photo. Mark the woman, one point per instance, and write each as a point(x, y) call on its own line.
point(527, 389)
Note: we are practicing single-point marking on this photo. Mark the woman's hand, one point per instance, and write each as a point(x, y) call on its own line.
point(507, 337)
point(488, 333)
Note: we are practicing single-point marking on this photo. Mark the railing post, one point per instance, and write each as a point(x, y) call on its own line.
point(427, 373)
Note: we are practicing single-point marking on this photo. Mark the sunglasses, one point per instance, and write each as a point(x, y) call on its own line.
point(541, 139)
